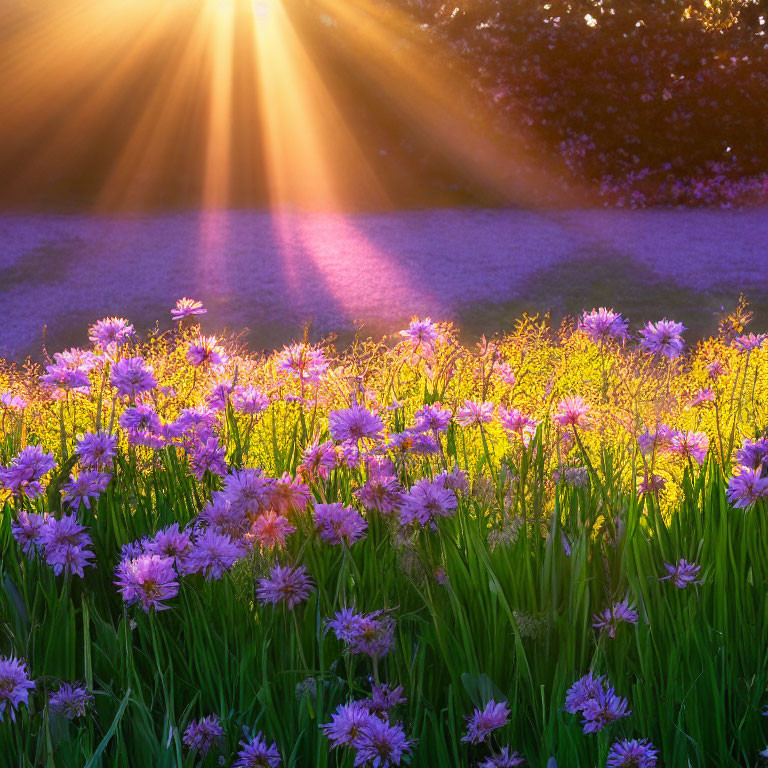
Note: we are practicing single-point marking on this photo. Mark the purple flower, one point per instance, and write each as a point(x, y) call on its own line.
point(382, 493)
point(504, 759)
point(63, 376)
point(212, 554)
point(248, 491)
point(366, 633)
point(412, 442)
point(426, 500)
point(602, 709)
point(70, 701)
point(631, 754)
point(209, 457)
point(749, 342)
point(171, 542)
point(140, 419)
point(354, 423)
point(601, 324)
point(270, 529)
point(747, 487)
point(663, 338)
point(202, 734)
point(132, 377)
point(517, 423)
point(65, 545)
point(26, 471)
point(249, 400)
point(219, 396)
point(421, 332)
point(381, 744)
point(346, 724)
point(383, 699)
point(455, 480)
point(15, 685)
point(658, 439)
point(752, 452)
point(256, 754)
point(147, 579)
point(26, 530)
point(303, 362)
point(110, 332)
point(81, 489)
point(13, 402)
point(683, 574)
point(187, 308)
point(337, 523)
point(481, 722)
point(318, 460)
point(287, 493)
point(582, 691)
point(474, 413)
point(433, 418)
point(690, 445)
point(572, 411)
point(289, 585)
point(96, 450)
point(205, 351)
point(609, 619)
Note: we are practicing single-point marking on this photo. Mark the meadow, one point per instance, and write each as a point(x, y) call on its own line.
point(546, 549)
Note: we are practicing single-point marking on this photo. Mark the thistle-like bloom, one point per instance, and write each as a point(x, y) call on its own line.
point(171, 542)
point(13, 402)
point(572, 411)
point(455, 480)
point(271, 530)
point(206, 351)
point(110, 332)
point(26, 471)
point(682, 574)
point(749, 342)
point(746, 488)
point(658, 439)
point(248, 491)
point(411, 442)
point(427, 500)
point(303, 362)
point(474, 413)
point(601, 324)
point(187, 308)
point(147, 579)
point(131, 377)
point(703, 396)
point(65, 377)
point(421, 332)
point(354, 423)
point(584, 689)
point(209, 456)
point(651, 484)
point(433, 418)
point(602, 709)
point(752, 453)
point(383, 699)
point(65, 544)
point(26, 529)
point(370, 633)
point(609, 619)
point(382, 493)
point(346, 724)
point(202, 734)
point(505, 759)
point(716, 369)
point(318, 460)
point(663, 338)
point(631, 754)
point(257, 754)
point(689, 444)
point(381, 744)
point(337, 523)
point(212, 554)
point(288, 493)
point(518, 424)
point(249, 401)
point(15, 685)
point(84, 488)
point(140, 419)
point(219, 395)
point(96, 450)
point(482, 722)
point(289, 585)
point(70, 701)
